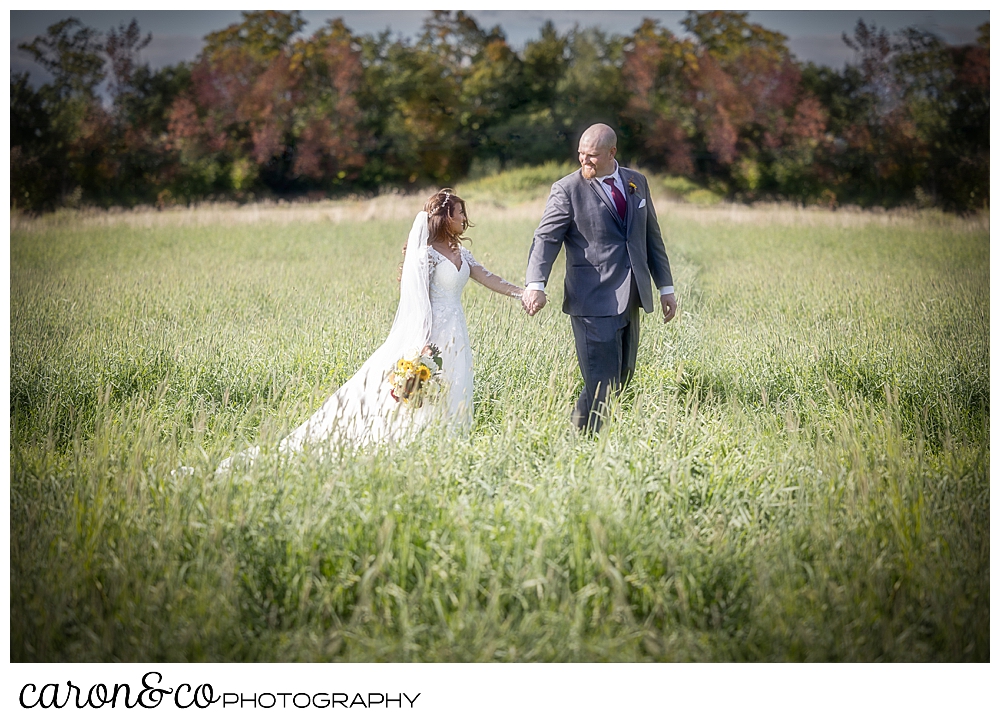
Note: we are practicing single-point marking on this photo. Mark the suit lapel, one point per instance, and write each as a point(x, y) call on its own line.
point(604, 199)
point(630, 201)
point(607, 203)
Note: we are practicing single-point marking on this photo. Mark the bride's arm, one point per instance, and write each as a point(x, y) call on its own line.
point(479, 273)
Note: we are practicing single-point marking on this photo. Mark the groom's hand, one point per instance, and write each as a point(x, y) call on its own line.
point(669, 304)
point(533, 300)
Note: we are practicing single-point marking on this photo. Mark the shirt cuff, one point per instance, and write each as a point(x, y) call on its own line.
point(538, 286)
point(666, 290)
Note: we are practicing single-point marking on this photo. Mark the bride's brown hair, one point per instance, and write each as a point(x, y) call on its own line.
point(440, 208)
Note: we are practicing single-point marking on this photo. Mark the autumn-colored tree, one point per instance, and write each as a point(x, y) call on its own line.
point(727, 104)
point(657, 74)
point(909, 119)
point(329, 141)
point(265, 110)
point(746, 96)
point(235, 125)
point(745, 87)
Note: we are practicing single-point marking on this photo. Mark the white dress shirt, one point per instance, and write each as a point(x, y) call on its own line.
point(618, 184)
point(614, 175)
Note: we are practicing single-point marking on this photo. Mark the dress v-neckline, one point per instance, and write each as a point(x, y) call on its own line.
point(461, 259)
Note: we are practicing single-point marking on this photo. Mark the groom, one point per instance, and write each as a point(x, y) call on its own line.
point(603, 215)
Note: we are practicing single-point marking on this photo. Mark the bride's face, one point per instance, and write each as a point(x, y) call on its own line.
point(457, 220)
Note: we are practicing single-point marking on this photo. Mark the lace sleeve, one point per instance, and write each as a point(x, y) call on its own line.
point(479, 273)
point(433, 259)
point(469, 258)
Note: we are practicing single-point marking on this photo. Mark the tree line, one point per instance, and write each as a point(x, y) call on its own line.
point(266, 111)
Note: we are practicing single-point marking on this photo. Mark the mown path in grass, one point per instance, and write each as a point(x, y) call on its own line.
point(800, 470)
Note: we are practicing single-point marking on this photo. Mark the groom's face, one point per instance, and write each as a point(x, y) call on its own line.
point(595, 159)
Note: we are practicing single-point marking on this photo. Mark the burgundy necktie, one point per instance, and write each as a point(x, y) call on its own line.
point(619, 198)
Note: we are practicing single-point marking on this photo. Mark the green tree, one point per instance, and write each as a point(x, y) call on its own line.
point(489, 83)
point(533, 132)
point(72, 53)
point(729, 38)
point(591, 88)
point(76, 125)
point(135, 157)
point(35, 155)
point(410, 98)
point(961, 162)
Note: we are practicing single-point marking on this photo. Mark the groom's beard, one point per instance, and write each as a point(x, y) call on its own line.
point(588, 172)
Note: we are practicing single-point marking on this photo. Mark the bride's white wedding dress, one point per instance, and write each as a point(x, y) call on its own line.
point(363, 410)
point(450, 334)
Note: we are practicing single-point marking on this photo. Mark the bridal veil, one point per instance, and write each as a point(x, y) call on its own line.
point(363, 411)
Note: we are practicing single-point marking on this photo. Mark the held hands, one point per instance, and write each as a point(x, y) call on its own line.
point(669, 304)
point(533, 300)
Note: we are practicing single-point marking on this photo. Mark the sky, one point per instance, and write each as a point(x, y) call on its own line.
point(177, 34)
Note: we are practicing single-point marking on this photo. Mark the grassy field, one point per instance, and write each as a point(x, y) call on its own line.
point(799, 471)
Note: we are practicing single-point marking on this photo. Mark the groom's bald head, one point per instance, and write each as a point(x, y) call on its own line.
point(601, 136)
point(598, 146)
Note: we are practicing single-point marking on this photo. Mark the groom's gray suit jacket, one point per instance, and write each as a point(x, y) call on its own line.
point(600, 248)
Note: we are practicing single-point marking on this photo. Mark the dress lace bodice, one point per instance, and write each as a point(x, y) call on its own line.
point(447, 281)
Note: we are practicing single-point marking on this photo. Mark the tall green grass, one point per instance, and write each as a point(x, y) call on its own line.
point(799, 471)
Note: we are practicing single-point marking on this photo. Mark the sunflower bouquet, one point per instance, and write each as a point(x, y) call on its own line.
point(416, 376)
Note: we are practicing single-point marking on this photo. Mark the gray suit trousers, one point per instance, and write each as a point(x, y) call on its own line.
point(606, 348)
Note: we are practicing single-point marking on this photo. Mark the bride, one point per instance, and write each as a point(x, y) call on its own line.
point(429, 320)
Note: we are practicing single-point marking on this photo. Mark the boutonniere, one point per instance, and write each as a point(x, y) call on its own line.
point(631, 188)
